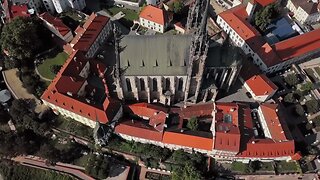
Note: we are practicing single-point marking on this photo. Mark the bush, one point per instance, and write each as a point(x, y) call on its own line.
point(291, 79)
point(299, 110)
point(193, 124)
point(307, 86)
point(289, 98)
point(312, 106)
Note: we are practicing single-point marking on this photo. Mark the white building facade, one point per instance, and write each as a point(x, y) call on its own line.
point(301, 15)
point(153, 25)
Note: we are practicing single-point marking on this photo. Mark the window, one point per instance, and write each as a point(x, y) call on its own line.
point(180, 84)
point(142, 85)
point(167, 88)
point(128, 85)
point(154, 84)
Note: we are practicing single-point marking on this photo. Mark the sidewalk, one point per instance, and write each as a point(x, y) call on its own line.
point(18, 91)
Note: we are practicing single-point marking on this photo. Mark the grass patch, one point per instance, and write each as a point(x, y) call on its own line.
point(287, 167)
point(45, 68)
point(129, 14)
point(311, 75)
point(239, 166)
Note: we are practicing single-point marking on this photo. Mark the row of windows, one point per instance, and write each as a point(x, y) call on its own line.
point(154, 84)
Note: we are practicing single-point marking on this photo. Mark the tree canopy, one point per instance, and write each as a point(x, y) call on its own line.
point(291, 79)
point(193, 124)
point(20, 37)
point(264, 16)
point(177, 6)
point(312, 106)
point(299, 110)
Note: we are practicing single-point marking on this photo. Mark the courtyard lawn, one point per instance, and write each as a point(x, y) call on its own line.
point(45, 68)
point(239, 167)
point(287, 167)
point(129, 14)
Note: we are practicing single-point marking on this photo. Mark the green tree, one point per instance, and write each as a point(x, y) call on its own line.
point(193, 124)
point(291, 79)
point(299, 110)
point(177, 6)
point(264, 16)
point(187, 172)
point(312, 106)
point(289, 98)
point(307, 86)
point(20, 38)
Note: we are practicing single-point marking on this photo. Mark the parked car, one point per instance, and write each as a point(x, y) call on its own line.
point(120, 5)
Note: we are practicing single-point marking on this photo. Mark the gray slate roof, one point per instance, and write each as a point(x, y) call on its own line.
point(155, 55)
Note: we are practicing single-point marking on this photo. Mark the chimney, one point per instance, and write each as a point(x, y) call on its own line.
point(253, 142)
point(181, 130)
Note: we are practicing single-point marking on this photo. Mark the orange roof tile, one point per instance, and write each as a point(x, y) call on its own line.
point(187, 140)
point(237, 19)
point(264, 3)
point(56, 22)
point(87, 35)
point(153, 14)
point(261, 85)
point(138, 129)
point(57, 94)
point(298, 45)
point(271, 117)
point(265, 148)
point(227, 133)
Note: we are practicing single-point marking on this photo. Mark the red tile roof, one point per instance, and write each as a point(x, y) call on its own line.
point(265, 148)
point(19, 11)
point(187, 140)
point(264, 3)
point(57, 94)
point(194, 111)
point(153, 14)
point(270, 113)
point(87, 35)
point(298, 45)
point(261, 85)
point(146, 109)
point(56, 22)
point(138, 129)
point(227, 130)
point(237, 19)
point(227, 142)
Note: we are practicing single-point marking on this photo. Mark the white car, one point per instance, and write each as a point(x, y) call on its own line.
point(120, 5)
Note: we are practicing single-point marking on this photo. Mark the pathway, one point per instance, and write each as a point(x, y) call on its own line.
point(39, 163)
point(18, 91)
point(44, 78)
